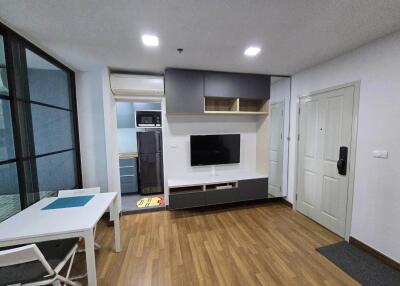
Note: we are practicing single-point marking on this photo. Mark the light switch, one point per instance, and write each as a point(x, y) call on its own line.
point(380, 154)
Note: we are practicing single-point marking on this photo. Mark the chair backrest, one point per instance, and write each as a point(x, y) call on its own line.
point(23, 254)
point(79, 192)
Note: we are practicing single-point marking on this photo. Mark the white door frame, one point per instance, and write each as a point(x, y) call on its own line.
point(353, 148)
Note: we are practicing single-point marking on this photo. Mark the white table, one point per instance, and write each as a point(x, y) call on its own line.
point(35, 225)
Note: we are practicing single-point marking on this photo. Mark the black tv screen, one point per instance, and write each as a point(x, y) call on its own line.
point(214, 149)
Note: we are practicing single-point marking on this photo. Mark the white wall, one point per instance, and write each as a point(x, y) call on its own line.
point(111, 137)
point(376, 203)
point(127, 142)
point(97, 130)
point(177, 133)
point(89, 94)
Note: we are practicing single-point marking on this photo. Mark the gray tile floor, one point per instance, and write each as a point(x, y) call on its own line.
point(129, 203)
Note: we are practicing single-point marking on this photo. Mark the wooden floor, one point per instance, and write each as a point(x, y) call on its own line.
point(262, 244)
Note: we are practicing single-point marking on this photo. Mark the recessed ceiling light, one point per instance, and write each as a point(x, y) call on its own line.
point(150, 40)
point(252, 51)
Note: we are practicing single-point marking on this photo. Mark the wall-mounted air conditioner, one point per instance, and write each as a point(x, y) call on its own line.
point(137, 85)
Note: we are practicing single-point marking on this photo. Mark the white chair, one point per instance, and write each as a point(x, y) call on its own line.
point(82, 192)
point(38, 264)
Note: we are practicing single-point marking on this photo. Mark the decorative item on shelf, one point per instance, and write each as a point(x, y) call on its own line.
point(223, 187)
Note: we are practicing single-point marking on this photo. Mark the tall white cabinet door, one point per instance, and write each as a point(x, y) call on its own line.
point(309, 179)
point(325, 126)
point(276, 150)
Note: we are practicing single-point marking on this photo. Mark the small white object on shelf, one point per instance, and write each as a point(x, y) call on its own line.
point(223, 187)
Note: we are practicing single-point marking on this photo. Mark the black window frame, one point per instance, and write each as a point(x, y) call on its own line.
point(14, 48)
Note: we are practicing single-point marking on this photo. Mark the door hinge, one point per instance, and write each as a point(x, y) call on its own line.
point(296, 197)
point(299, 110)
point(298, 137)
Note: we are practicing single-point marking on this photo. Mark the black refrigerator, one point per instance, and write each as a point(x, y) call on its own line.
point(150, 166)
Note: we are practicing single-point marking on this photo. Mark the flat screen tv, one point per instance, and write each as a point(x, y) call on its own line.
point(214, 149)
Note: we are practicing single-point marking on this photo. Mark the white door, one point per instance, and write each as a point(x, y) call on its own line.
point(276, 150)
point(325, 126)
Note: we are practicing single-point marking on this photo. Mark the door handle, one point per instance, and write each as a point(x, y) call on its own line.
point(342, 162)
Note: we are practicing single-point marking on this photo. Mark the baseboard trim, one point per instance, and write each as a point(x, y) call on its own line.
point(289, 204)
point(144, 210)
point(382, 257)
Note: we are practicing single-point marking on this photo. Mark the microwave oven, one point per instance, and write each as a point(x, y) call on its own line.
point(148, 119)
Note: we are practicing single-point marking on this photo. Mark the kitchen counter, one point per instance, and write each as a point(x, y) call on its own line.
point(128, 155)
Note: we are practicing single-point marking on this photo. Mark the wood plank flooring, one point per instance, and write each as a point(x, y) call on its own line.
point(261, 244)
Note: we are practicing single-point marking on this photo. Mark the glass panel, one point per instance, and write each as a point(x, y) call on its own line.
point(47, 83)
point(56, 172)
point(3, 71)
point(9, 191)
point(279, 118)
point(6, 133)
point(52, 129)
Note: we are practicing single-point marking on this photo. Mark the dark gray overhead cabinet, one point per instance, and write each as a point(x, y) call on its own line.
point(236, 85)
point(184, 91)
point(196, 91)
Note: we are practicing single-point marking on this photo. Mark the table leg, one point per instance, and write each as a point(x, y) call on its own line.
point(117, 233)
point(90, 258)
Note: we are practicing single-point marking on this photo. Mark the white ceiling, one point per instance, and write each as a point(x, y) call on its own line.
point(293, 34)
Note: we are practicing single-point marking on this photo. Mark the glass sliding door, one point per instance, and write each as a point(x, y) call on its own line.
point(10, 200)
point(39, 144)
point(52, 125)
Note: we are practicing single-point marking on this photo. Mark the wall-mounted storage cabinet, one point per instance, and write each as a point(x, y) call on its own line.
point(184, 91)
point(194, 91)
point(223, 84)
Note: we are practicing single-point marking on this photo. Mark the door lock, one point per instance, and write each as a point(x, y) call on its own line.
point(342, 162)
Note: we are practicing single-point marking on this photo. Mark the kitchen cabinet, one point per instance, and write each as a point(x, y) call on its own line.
point(128, 175)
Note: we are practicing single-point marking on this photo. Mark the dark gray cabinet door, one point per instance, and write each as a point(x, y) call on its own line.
point(223, 84)
point(216, 197)
point(184, 91)
point(186, 200)
point(253, 189)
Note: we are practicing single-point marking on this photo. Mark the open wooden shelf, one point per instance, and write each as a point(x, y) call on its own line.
point(221, 186)
point(204, 187)
point(220, 104)
point(191, 188)
point(223, 105)
point(253, 105)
